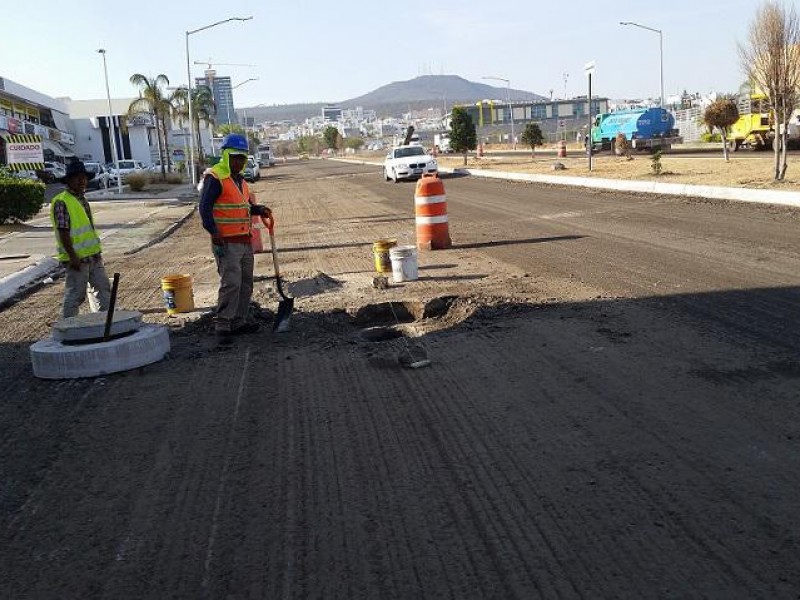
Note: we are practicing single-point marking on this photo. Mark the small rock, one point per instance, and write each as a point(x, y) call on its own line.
point(47, 280)
point(559, 166)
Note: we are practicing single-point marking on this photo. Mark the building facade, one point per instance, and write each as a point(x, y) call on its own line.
point(223, 96)
point(26, 111)
point(558, 119)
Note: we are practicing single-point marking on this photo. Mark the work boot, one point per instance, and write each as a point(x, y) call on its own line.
point(247, 328)
point(224, 337)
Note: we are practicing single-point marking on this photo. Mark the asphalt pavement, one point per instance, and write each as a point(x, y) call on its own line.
point(610, 410)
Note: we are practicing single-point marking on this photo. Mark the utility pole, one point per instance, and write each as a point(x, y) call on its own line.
point(589, 70)
point(111, 129)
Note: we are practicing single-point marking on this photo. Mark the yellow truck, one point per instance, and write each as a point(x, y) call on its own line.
point(754, 129)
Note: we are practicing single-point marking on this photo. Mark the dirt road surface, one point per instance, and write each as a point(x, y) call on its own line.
point(612, 411)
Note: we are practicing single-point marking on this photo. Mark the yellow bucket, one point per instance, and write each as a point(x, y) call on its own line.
point(178, 296)
point(380, 249)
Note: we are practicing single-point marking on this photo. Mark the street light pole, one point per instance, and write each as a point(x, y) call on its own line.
point(510, 109)
point(660, 51)
point(189, 89)
point(231, 99)
point(111, 129)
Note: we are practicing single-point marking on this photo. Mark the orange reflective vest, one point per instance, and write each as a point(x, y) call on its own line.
point(232, 208)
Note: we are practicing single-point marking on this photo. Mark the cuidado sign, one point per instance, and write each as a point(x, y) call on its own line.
point(25, 152)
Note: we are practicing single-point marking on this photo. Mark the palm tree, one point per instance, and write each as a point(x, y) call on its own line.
point(203, 109)
point(152, 101)
point(179, 113)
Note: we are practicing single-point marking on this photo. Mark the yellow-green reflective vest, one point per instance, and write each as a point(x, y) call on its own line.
point(84, 238)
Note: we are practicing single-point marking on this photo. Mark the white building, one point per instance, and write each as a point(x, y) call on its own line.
point(135, 136)
point(26, 111)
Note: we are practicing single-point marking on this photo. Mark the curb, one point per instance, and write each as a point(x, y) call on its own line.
point(164, 234)
point(17, 283)
point(687, 190)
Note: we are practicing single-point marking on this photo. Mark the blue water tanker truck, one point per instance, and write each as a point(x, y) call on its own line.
point(644, 128)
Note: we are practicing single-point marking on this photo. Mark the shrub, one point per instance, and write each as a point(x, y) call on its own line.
point(138, 181)
point(711, 137)
point(655, 163)
point(174, 178)
point(20, 199)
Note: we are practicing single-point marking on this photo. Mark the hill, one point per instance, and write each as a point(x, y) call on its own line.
point(398, 97)
point(436, 89)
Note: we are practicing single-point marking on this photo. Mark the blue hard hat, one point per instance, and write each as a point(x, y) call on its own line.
point(236, 141)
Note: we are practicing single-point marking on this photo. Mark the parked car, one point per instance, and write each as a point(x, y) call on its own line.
point(408, 162)
point(251, 172)
point(126, 167)
point(54, 170)
point(101, 176)
point(156, 167)
point(29, 175)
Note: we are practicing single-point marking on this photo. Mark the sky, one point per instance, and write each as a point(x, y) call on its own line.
point(315, 51)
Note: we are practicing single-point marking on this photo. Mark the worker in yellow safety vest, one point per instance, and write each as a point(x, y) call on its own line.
point(78, 245)
point(226, 208)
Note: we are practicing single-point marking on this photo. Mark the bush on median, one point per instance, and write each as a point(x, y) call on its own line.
point(137, 181)
point(20, 199)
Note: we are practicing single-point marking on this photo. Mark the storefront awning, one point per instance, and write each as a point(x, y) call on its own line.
point(67, 152)
point(54, 147)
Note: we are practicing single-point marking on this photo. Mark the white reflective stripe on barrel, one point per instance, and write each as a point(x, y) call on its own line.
point(432, 220)
point(423, 200)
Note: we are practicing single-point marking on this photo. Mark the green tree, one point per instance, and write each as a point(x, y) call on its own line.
point(152, 101)
point(532, 136)
point(203, 109)
point(354, 143)
point(721, 114)
point(463, 136)
point(309, 144)
point(253, 141)
point(227, 128)
point(331, 137)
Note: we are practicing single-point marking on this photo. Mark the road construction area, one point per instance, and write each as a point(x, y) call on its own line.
point(612, 409)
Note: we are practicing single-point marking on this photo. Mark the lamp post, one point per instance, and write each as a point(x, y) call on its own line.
point(660, 50)
point(111, 129)
point(233, 88)
point(189, 88)
point(510, 110)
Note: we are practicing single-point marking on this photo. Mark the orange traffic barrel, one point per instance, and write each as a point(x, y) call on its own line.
point(562, 149)
point(430, 203)
point(480, 150)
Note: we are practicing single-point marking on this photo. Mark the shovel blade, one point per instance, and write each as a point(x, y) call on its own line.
point(285, 308)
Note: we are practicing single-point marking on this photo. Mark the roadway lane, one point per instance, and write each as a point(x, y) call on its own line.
point(626, 425)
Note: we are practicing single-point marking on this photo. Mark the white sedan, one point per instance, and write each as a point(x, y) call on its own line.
point(408, 162)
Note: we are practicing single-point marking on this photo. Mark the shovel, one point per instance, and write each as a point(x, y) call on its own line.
point(285, 304)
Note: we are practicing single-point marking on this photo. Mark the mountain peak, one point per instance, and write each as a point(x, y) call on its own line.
point(435, 89)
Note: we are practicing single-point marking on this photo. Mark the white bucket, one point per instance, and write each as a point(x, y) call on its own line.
point(404, 263)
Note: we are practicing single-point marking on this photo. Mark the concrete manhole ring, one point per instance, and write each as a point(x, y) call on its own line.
point(52, 359)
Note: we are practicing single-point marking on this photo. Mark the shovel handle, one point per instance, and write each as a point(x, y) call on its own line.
point(269, 223)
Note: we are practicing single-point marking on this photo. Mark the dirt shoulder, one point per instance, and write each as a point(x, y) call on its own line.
point(749, 172)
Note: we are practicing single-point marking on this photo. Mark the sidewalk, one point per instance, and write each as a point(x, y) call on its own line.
point(184, 191)
point(125, 226)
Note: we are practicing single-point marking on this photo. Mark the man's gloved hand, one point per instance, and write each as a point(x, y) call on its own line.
point(217, 246)
point(260, 210)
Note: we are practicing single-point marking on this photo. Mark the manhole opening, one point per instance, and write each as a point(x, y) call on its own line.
point(385, 321)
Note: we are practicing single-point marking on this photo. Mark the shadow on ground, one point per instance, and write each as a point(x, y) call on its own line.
point(608, 448)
